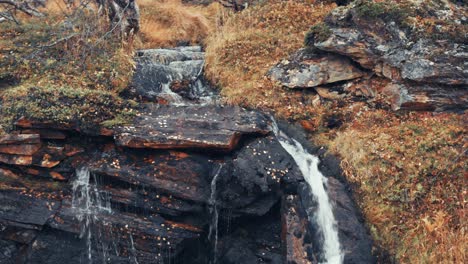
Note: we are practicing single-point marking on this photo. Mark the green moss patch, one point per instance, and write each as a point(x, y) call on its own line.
point(62, 105)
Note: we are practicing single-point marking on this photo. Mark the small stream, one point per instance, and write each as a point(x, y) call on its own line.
point(308, 164)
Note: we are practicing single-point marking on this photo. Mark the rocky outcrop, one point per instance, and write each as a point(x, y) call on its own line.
point(309, 68)
point(139, 203)
point(415, 68)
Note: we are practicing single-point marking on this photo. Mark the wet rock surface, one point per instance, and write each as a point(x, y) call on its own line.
point(159, 71)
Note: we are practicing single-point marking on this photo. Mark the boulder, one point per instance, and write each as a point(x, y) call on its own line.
point(308, 68)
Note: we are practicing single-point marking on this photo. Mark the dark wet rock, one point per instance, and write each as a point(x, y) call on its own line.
point(8, 251)
point(158, 71)
point(354, 238)
point(295, 231)
point(46, 156)
point(17, 139)
point(26, 210)
point(46, 133)
point(176, 173)
point(309, 68)
point(201, 127)
point(253, 240)
point(257, 176)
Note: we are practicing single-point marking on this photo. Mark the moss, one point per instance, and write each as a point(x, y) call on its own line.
point(45, 51)
point(60, 105)
point(317, 33)
point(123, 118)
point(387, 11)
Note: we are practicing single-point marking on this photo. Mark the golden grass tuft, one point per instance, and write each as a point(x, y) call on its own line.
point(166, 23)
point(246, 44)
point(410, 176)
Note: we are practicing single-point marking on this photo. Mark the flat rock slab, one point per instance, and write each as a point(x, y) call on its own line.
point(182, 127)
point(19, 209)
point(174, 173)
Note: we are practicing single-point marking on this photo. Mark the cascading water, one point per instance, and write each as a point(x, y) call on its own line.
point(87, 202)
point(308, 164)
point(213, 232)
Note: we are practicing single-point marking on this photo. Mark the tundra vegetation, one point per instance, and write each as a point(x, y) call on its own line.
point(62, 61)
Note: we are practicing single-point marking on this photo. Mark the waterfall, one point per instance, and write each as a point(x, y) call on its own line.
point(308, 165)
point(213, 232)
point(87, 202)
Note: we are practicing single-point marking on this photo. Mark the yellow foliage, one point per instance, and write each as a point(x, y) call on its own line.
point(246, 44)
point(166, 23)
point(409, 173)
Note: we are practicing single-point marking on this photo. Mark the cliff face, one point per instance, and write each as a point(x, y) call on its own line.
point(411, 54)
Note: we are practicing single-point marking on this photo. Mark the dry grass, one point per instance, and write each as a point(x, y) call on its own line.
point(247, 44)
point(410, 174)
point(166, 23)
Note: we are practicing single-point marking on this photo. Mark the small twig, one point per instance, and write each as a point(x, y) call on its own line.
point(58, 41)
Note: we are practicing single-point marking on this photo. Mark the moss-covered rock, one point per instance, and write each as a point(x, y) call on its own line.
point(77, 108)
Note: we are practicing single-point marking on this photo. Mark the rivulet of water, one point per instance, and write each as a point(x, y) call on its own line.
point(87, 203)
point(213, 232)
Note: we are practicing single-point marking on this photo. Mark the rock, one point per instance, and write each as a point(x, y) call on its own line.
point(254, 180)
point(158, 71)
point(25, 149)
point(46, 157)
point(53, 130)
point(328, 93)
point(411, 69)
point(354, 238)
point(410, 95)
point(46, 133)
point(253, 240)
point(310, 68)
point(180, 174)
point(294, 232)
point(417, 58)
point(428, 97)
point(184, 127)
point(16, 139)
point(22, 210)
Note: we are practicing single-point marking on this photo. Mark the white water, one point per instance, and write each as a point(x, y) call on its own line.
point(213, 233)
point(308, 164)
point(87, 200)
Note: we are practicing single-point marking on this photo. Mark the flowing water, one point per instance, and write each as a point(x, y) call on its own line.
point(87, 203)
point(213, 232)
point(324, 218)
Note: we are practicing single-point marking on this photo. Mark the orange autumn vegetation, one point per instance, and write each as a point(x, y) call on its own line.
point(245, 45)
point(166, 23)
point(409, 172)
